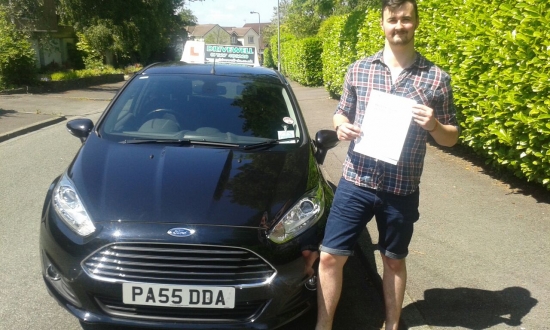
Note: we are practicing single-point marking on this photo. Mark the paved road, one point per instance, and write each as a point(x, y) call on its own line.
point(479, 258)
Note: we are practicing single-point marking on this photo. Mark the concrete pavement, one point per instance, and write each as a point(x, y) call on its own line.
point(480, 254)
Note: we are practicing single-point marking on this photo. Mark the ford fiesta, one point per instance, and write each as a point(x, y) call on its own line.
point(195, 202)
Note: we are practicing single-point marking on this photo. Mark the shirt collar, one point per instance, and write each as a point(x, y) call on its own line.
point(420, 61)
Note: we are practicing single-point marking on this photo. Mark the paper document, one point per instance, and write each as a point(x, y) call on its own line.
point(385, 126)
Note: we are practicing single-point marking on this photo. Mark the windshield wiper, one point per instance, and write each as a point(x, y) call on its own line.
point(180, 142)
point(268, 143)
point(155, 141)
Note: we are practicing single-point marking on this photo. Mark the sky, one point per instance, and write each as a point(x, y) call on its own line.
point(232, 13)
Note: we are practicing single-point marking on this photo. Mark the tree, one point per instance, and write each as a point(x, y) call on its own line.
point(218, 36)
point(187, 17)
point(17, 62)
point(304, 17)
point(344, 7)
point(271, 30)
point(140, 32)
point(29, 9)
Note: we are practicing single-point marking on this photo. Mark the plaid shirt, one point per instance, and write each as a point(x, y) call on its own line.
point(423, 82)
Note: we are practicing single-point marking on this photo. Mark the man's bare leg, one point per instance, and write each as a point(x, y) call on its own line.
point(394, 281)
point(331, 268)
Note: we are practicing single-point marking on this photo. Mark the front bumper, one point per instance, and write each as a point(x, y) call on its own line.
point(98, 300)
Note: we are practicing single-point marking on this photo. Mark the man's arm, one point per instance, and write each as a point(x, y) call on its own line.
point(445, 135)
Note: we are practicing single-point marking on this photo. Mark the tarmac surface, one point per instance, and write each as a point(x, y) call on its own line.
point(480, 253)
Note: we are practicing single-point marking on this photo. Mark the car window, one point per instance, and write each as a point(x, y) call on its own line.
point(217, 108)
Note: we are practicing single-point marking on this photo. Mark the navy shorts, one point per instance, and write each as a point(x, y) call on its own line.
point(353, 207)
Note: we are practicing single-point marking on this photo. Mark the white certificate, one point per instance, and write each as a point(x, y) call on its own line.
point(385, 126)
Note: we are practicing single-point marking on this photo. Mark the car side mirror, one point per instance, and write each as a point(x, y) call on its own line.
point(80, 128)
point(324, 140)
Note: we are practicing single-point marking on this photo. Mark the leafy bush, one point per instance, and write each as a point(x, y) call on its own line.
point(17, 57)
point(60, 76)
point(286, 38)
point(76, 74)
point(131, 69)
point(498, 55)
point(92, 57)
point(268, 59)
point(340, 37)
point(347, 39)
point(303, 61)
point(370, 34)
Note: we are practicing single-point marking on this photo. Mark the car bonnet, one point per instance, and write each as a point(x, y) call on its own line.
point(187, 185)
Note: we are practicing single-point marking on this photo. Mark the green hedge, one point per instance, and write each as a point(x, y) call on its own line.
point(285, 38)
point(302, 61)
point(340, 38)
point(498, 55)
point(370, 34)
point(268, 59)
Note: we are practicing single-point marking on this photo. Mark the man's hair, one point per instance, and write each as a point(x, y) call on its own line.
point(394, 4)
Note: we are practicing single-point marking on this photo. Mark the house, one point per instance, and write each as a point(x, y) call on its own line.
point(244, 36)
point(259, 27)
point(52, 43)
point(209, 33)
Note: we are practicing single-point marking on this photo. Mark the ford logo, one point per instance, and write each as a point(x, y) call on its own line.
point(181, 232)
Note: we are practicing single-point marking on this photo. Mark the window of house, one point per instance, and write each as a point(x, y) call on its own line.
point(251, 40)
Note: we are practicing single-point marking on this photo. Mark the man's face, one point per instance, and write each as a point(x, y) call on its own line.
point(399, 24)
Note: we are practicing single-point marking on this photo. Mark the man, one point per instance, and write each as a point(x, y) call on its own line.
point(373, 188)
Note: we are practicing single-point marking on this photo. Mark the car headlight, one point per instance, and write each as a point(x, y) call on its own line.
point(304, 214)
point(70, 209)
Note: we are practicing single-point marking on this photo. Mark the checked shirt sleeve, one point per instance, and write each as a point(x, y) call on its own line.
point(348, 101)
point(444, 103)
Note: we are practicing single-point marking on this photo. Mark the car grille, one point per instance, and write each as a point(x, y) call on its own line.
point(242, 311)
point(178, 264)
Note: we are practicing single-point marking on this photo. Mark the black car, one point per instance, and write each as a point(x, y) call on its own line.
point(195, 202)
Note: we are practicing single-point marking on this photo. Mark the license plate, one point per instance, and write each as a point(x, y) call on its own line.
point(178, 295)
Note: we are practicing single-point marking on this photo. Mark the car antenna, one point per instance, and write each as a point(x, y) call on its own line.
point(214, 67)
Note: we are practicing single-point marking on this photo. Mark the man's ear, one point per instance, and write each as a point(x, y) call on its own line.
point(416, 22)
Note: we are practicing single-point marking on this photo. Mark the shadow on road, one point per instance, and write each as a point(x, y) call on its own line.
point(473, 308)
point(6, 112)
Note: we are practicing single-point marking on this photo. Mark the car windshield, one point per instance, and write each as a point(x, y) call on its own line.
point(234, 110)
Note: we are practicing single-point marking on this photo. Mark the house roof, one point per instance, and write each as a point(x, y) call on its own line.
point(240, 32)
point(256, 26)
point(200, 30)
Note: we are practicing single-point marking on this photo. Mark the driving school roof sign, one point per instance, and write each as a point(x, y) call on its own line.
point(230, 54)
point(199, 52)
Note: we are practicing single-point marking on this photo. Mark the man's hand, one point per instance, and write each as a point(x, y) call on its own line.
point(424, 116)
point(445, 135)
point(348, 132)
